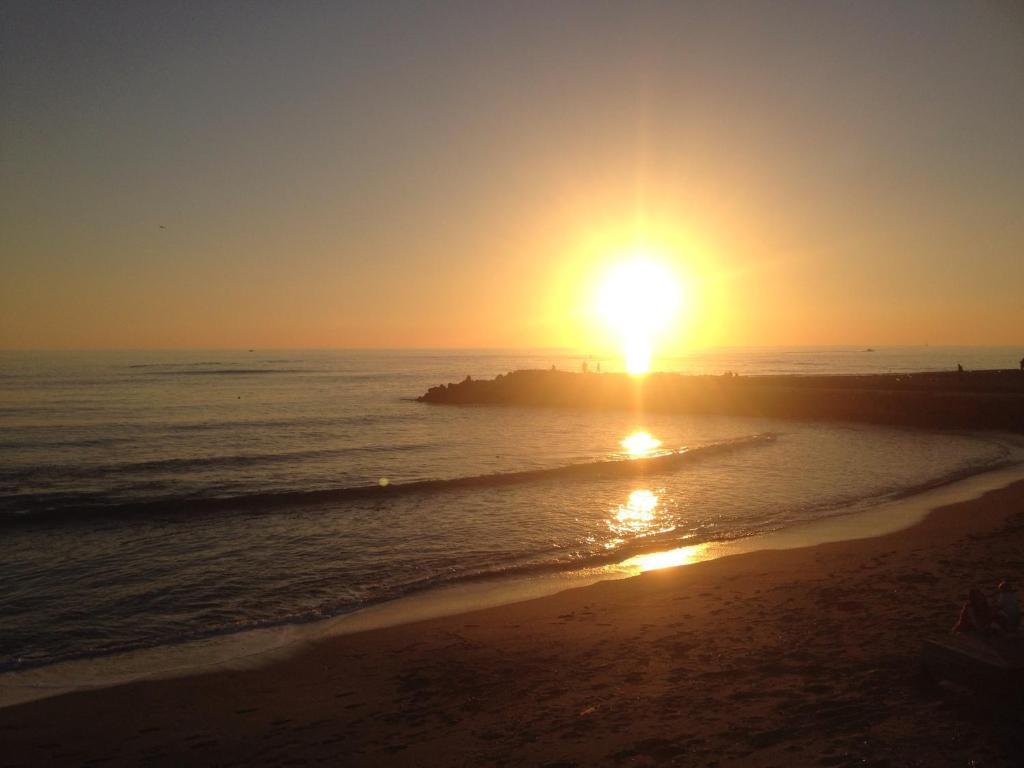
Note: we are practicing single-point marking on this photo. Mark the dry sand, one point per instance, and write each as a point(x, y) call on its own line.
point(788, 658)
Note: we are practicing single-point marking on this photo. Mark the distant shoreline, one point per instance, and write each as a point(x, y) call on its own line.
point(982, 400)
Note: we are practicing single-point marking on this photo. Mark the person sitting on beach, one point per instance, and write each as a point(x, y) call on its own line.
point(1007, 609)
point(976, 615)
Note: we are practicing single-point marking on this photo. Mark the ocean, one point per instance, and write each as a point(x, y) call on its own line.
point(150, 498)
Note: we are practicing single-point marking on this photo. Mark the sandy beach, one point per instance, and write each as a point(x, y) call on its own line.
point(798, 657)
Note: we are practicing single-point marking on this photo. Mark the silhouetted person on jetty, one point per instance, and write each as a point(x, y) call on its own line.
point(959, 368)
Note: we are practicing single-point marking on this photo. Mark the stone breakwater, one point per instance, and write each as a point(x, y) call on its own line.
point(989, 400)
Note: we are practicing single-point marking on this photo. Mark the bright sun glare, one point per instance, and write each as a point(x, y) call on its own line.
point(640, 443)
point(638, 299)
point(657, 560)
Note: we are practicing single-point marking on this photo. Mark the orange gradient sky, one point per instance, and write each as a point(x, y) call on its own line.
point(311, 175)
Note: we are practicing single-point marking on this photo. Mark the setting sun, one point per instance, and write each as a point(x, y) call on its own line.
point(638, 299)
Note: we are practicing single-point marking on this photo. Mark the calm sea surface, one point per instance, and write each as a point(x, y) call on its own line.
point(151, 497)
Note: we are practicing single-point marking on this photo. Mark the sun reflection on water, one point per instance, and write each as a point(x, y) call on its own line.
point(636, 515)
point(640, 443)
point(640, 516)
point(669, 559)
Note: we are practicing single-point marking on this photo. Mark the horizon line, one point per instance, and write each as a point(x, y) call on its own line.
point(571, 350)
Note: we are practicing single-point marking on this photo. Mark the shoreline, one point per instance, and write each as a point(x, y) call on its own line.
point(267, 645)
point(378, 636)
point(574, 666)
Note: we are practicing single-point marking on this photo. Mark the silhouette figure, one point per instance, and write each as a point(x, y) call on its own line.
point(959, 368)
point(1022, 363)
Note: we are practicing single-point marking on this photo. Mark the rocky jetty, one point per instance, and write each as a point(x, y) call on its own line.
point(991, 400)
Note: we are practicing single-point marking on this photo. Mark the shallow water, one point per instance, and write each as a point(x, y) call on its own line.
point(148, 433)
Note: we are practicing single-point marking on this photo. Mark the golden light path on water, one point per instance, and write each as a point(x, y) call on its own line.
point(654, 561)
point(640, 443)
point(637, 515)
point(641, 516)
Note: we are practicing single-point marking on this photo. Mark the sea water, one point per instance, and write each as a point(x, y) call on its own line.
point(148, 498)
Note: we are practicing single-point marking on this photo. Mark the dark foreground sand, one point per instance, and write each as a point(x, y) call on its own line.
point(800, 657)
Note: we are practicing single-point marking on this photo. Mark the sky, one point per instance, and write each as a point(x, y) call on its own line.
point(306, 174)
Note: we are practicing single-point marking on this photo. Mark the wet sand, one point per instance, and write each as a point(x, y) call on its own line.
point(776, 658)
